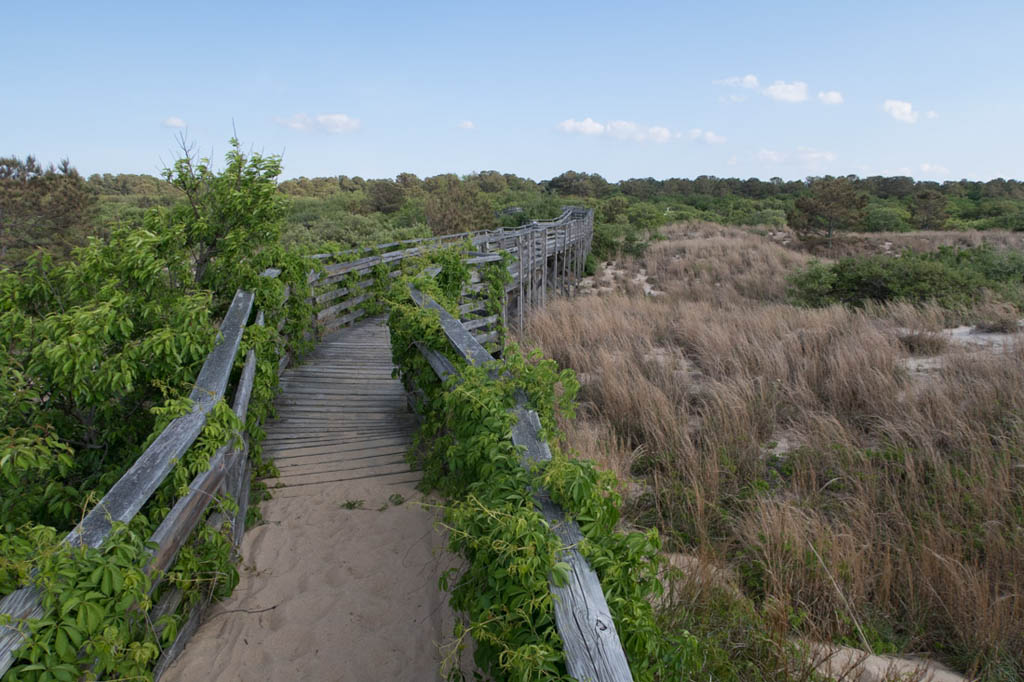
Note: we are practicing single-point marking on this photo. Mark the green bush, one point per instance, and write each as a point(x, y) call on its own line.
point(954, 278)
point(886, 218)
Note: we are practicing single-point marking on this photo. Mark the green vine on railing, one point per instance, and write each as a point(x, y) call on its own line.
point(465, 450)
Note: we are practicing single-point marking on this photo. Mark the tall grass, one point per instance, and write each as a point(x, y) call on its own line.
point(856, 500)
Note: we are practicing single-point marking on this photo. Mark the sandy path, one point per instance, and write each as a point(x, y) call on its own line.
point(352, 594)
point(329, 590)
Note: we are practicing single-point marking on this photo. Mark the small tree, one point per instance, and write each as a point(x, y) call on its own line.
point(229, 220)
point(833, 204)
point(453, 207)
point(42, 208)
point(929, 210)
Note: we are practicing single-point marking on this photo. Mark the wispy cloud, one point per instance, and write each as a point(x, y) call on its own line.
point(901, 111)
point(831, 97)
point(787, 92)
point(708, 136)
point(587, 126)
point(808, 157)
point(934, 169)
point(779, 90)
point(771, 156)
point(623, 130)
point(173, 122)
point(749, 81)
point(322, 123)
point(814, 157)
point(467, 125)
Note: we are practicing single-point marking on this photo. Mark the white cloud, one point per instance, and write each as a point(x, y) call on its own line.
point(323, 123)
point(901, 111)
point(934, 169)
point(931, 114)
point(771, 156)
point(708, 136)
point(779, 90)
point(749, 81)
point(173, 122)
point(467, 125)
point(587, 126)
point(813, 157)
point(807, 156)
point(659, 134)
point(787, 92)
point(623, 130)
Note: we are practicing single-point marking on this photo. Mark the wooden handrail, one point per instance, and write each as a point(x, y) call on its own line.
point(229, 466)
point(593, 650)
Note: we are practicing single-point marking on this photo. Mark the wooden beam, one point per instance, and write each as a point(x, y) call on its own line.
point(126, 497)
point(130, 493)
point(592, 647)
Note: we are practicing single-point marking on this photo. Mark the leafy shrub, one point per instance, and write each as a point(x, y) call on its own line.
point(954, 278)
point(885, 218)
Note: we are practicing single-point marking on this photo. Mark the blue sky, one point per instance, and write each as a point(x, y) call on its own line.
point(790, 89)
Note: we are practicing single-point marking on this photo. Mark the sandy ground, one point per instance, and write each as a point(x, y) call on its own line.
point(854, 665)
point(610, 275)
point(329, 593)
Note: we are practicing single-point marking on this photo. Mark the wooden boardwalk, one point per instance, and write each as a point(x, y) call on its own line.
point(341, 581)
point(341, 416)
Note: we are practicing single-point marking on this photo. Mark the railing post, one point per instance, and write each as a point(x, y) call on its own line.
point(522, 301)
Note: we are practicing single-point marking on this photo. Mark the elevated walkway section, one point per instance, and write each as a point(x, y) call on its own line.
point(340, 582)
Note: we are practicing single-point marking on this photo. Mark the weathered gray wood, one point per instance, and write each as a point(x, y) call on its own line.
point(473, 306)
point(171, 653)
point(480, 322)
point(592, 647)
point(168, 604)
point(461, 339)
point(544, 271)
point(344, 305)
point(345, 319)
point(572, 240)
point(23, 604)
point(441, 365)
point(343, 291)
point(520, 303)
point(126, 497)
point(487, 337)
point(477, 260)
point(593, 650)
point(174, 531)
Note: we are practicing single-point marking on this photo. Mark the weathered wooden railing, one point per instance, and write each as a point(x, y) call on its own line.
point(544, 253)
point(593, 650)
point(228, 474)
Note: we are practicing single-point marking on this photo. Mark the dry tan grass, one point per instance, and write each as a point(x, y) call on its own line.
point(863, 243)
point(901, 503)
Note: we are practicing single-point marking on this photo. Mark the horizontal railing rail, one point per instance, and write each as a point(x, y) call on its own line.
point(544, 254)
point(542, 251)
point(593, 650)
point(228, 473)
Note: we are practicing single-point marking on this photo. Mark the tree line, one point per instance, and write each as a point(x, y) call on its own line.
point(55, 208)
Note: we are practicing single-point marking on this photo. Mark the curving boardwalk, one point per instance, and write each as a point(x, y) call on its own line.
point(340, 583)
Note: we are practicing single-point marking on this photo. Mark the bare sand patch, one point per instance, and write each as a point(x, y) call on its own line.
point(331, 593)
